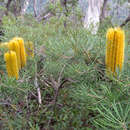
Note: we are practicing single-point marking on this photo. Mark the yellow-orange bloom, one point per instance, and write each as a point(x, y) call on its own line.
point(22, 51)
point(14, 46)
point(11, 64)
point(20, 41)
point(114, 50)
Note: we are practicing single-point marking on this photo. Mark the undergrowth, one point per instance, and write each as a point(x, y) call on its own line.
point(69, 65)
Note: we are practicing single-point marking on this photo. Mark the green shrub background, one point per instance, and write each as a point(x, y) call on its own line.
point(88, 101)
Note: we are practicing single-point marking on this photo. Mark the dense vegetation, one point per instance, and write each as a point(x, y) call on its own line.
point(69, 69)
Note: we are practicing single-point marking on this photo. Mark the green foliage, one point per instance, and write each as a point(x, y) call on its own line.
point(89, 100)
point(115, 117)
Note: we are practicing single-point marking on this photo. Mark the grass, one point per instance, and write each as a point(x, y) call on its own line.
point(69, 68)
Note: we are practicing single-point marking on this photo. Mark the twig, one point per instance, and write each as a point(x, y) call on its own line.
point(56, 85)
point(9, 104)
point(37, 87)
point(60, 75)
point(38, 91)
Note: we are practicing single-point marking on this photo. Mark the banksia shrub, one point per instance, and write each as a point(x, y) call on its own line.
point(114, 50)
point(11, 64)
point(16, 57)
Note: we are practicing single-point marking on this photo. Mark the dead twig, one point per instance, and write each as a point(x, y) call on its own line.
point(37, 87)
point(38, 91)
point(56, 85)
point(60, 75)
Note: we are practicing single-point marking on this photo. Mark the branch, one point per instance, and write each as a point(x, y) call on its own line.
point(34, 7)
point(7, 6)
point(126, 21)
point(60, 75)
point(102, 16)
point(47, 16)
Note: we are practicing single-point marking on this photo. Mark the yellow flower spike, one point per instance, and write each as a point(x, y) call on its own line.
point(14, 64)
point(14, 46)
point(22, 50)
point(29, 47)
point(110, 37)
point(121, 50)
point(11, 64)
point(114, 50)
point(17, 50)
point(118, 48)
point(8, 64)
point(11, 45)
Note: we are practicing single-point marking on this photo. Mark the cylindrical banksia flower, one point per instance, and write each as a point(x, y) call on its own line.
point(14, 46)
point(114, 50)
point(29, 47)
point(17, 45)
point(22, 50)
point(11, 64)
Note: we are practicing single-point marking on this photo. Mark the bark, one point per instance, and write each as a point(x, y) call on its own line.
point(7, 6)
point(102, 16)
point(25, 6)
point(35, 7)
point(15, 8)
point(92, 18)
